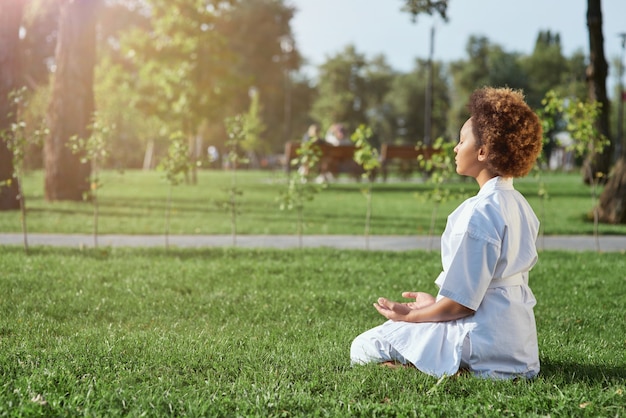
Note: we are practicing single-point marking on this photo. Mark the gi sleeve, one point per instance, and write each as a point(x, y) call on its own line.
point(472, 266)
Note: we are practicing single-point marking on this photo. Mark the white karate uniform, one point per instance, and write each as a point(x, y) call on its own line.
point(487, 250)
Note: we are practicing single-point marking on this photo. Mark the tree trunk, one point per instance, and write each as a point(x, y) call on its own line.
point(72, 102)
point(612, 203)
point(10, 18)
point(596, 82)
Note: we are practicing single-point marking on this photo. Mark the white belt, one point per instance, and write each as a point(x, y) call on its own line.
point(514, 280)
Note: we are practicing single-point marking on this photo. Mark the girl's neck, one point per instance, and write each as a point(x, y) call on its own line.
point(484, 176)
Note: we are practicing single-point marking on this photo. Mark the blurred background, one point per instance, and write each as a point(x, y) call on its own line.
point(147, 71)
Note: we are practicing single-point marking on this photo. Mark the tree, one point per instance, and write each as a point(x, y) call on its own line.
point(94, 150)
point(237, 128)
point(612, 202)
point(573, 80)
point(544, 67)
point(597, 164)
point(180, 65)
point(367, 157)
point(300, 185)
point(38, 37)
point(114, 87)
point(303, 95)
point(176, 166)
point(258, 33)
point(38, 40)
point(405, 99)
point(548, 70)
point(342, 90)
point(72, 103)
point(18, 138)
point(10, 17)
point(132, 130)
point(380, 77)
point(353, 90)
point(488, 64)
point(430, 7)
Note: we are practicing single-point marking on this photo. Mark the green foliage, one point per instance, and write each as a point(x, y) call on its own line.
point(430, 7)
point(17, 139)
point(379, 75)
point(238, 133)
point(175, 57)
point(342, 90)
point(367, 157)
point(237, 129)
point(301, 187)
point(578, 118)
point(548, 69)
point(93, 150)
point(20, 135)
point(441, 168)
point(132, 130)
point(487, 64)
point(194, 63)
point(185, 64)
point(266, 58)
point(230, 332)
point(253, 126)
point(176, 164)
point(405, 103)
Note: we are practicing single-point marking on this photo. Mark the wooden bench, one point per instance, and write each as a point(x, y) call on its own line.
point(333, 159)
point(340, 159)
point(405, 154)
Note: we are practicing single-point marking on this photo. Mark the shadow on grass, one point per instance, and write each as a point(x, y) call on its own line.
point(376, 188)
point(101, 253)
point(571, 372)
point(177, 254)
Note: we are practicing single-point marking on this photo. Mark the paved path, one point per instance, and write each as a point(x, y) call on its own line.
point(609, 243)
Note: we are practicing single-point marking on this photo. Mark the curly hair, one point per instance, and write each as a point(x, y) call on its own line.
point(508, 128)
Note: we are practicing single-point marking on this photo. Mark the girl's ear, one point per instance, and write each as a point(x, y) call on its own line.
point(482, 154)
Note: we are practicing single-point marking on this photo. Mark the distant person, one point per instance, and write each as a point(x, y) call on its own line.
point(214, 156)
point(337, 135)
point(482, 319)
point(313, 134)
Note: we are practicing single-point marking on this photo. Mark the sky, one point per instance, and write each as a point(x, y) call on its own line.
point(323, 28)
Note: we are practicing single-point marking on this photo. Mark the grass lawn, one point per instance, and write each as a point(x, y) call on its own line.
point(236, 332)
point(134, 203)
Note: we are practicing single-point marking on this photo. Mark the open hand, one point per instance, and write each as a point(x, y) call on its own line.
point(397, 311)
point(422, 299)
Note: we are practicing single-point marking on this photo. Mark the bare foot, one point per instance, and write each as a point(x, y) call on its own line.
point(397, 364)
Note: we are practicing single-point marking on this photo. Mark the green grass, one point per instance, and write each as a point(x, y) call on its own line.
point(234, 332)
point(134, 203)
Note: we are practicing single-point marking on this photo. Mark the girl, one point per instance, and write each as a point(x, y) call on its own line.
point(482, 318)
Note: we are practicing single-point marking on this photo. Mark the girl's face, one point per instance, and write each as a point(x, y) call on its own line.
point(470, 159)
